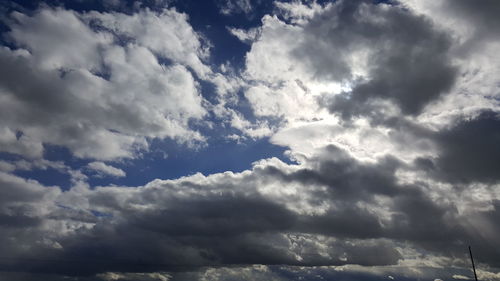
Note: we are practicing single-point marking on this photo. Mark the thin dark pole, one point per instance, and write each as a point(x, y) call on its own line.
point(473, 266)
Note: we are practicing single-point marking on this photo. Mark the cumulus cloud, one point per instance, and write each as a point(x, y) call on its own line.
point(235, 219)
point(92, 94)
point(367, 46)
point(334, 211)
point(393, 133)
point(473, 54)
point(469, 150)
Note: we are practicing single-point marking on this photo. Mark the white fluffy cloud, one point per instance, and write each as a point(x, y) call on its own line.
point(103, 169)
point(100, 97)
point(167, 34)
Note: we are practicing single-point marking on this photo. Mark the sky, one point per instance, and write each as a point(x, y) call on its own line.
point(249, 140)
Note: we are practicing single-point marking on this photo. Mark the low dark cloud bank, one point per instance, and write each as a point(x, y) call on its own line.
point(182, 225)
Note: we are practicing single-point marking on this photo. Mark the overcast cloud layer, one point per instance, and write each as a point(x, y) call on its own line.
point(389, 114)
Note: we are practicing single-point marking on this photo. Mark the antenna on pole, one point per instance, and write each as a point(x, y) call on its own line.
point(473, 266)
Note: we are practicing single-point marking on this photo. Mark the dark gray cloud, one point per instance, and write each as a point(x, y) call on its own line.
point(470, 151)
point(186, 224)
point(407, 62)
point(217, 217)
point(483, 16)
point(226, 220)
point(466, 151)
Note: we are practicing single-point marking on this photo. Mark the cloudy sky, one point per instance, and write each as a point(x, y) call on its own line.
point(249, 140)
